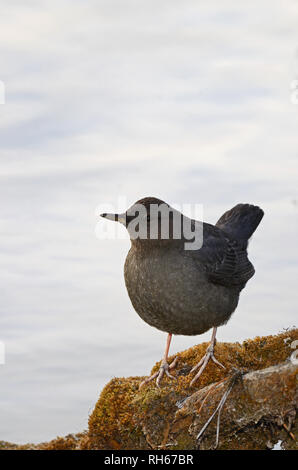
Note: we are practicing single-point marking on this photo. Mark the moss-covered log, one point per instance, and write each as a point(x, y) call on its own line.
point(259, 411)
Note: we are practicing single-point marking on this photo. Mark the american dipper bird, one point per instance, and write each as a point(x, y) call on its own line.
point(183, 289)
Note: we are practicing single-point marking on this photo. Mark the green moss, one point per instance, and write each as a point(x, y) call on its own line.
point(111, 423)
point(69, 442)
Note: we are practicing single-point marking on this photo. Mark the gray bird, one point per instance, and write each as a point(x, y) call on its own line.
point(183, 289)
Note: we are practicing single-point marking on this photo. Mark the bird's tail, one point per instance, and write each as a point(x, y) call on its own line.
point(241, 221)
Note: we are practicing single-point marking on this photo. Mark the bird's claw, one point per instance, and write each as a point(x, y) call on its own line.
point(163, 370)
point(203, 363)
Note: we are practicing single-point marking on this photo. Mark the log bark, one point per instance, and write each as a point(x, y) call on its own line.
point(259, 411)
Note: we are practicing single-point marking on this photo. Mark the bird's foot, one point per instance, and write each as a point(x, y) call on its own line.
point(203, 363)
point(163, 370)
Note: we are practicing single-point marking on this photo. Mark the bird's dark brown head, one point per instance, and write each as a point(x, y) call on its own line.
point(147, 201)
point(147, 220)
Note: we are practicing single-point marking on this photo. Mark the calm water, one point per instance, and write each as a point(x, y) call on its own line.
point(190, 103)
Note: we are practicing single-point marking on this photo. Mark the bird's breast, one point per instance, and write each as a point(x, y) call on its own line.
point(172, 293)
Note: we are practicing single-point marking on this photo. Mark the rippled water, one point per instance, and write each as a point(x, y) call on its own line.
point(190, 103)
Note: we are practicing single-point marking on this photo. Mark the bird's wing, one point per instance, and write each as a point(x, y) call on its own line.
point(224, 260)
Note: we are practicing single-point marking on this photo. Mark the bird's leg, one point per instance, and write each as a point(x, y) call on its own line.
point(164, 367)
point(205, 359)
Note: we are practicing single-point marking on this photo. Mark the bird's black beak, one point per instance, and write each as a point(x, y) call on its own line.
point(115, 217)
